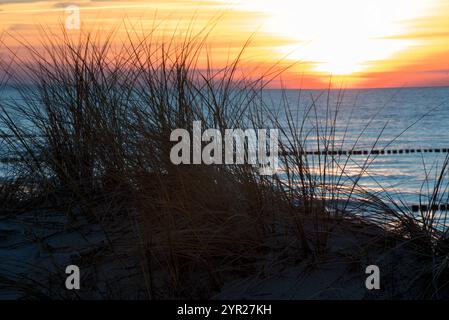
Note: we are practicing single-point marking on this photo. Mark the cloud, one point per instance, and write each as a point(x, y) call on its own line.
point(21, 1)
point(420, 35)
point(18, 27)
point(435, 71)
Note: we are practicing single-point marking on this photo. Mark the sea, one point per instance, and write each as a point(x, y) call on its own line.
point(401, 133)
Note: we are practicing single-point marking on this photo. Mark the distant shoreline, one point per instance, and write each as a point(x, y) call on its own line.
point(324, 88)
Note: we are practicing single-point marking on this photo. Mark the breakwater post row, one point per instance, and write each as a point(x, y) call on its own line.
point(369, 152)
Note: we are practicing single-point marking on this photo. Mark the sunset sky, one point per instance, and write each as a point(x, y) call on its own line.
point(362, 43)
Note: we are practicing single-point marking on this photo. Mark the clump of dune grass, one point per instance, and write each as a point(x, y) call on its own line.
point(92, 140)
point(427, 233)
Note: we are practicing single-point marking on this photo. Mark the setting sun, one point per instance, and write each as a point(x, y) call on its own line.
point(339, 37)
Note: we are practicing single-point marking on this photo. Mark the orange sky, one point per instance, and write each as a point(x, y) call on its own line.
point(362, 43)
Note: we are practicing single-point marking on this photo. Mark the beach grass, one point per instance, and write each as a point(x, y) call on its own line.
point(91, 135)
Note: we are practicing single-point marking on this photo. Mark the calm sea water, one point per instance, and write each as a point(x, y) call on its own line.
point(395, 119)
point(406, 118)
